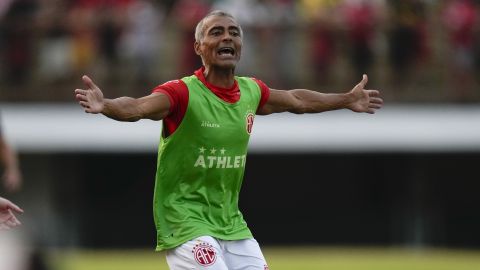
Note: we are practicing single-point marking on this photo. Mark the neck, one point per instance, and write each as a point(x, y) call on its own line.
point(221, 77)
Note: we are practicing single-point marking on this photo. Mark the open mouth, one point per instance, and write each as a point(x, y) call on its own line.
point(226, 51)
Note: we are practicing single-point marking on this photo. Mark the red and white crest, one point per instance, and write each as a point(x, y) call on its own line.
point(204, 254)
point(249, 122)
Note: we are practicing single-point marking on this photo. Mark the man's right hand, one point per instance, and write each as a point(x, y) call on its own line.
point(91, 99)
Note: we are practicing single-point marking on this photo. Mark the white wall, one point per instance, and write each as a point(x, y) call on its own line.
point(66, 128)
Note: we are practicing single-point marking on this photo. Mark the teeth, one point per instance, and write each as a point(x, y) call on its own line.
point(226, 50)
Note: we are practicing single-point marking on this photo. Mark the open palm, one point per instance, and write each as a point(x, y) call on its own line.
point(91, 99)
point(365, 100)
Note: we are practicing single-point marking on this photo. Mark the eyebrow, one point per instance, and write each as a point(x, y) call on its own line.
point(218, 27)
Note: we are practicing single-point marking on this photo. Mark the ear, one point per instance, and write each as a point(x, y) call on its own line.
point(196, 46)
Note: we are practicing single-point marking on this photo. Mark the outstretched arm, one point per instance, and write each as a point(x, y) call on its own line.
point(155, 106)
point(302, 101)
point(7, 218)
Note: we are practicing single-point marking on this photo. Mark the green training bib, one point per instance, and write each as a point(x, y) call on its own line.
point(201, 165)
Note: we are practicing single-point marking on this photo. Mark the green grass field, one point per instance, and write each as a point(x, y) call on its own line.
point(283, 258)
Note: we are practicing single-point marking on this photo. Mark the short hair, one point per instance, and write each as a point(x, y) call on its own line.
point(199, 30)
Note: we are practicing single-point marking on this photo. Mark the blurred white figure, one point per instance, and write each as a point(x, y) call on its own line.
point(55, 45)
point(142, 36)
point(12, 252)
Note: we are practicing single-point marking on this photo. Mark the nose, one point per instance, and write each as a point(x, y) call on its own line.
point(227, 36)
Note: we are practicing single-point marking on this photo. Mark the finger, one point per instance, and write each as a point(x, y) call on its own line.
point(87, 108)
point(84, 104)
point(81, 97)
point(81, 91)
point(4, 227)
point(14, 220)
point(11, 223)
point(364, 81)
point(88, 82)
point(375, 106)
point(373, 93)
point(4, 217)
point(15, 208)
point(376, 100)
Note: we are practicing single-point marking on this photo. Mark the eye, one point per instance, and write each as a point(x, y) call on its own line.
point(235, 33)
point(216, 33)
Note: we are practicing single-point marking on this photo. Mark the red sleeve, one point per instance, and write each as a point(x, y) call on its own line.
point(265, 92)
point(177, 93)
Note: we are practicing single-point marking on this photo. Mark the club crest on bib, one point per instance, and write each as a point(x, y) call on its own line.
point(249, 122)
point(204, 254)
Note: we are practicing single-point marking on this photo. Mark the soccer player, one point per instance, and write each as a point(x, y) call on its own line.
point(7, 218)
point(207, 121)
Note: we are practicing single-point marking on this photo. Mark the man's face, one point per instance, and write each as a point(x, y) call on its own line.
point(221, 44)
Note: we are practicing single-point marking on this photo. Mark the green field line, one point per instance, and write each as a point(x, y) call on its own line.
point(283, 258)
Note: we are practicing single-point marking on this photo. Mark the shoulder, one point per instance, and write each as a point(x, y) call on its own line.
point(262, 85)
point(175, 90)
point(253, 81)
point(173, 85)
point(264, 90)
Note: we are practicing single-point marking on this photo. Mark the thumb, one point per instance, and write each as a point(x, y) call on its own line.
point(88, 82)
point(364, 81)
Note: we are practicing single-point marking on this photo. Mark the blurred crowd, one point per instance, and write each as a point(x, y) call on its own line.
point(414, 50)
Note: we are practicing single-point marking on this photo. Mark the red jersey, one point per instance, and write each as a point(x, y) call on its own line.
point(177, 93)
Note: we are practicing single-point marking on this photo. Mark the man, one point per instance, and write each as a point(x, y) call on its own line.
point(208, 118)
point(7, 218)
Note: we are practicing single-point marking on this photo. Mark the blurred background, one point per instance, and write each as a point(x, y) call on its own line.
point(404, 178)
point(414, 50)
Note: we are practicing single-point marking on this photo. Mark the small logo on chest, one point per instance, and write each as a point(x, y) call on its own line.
point(209, 124)
point(249, 122)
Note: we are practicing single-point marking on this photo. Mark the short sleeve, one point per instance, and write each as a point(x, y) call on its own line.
point(174, 91)
point(265, 92)
point(177, 93)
